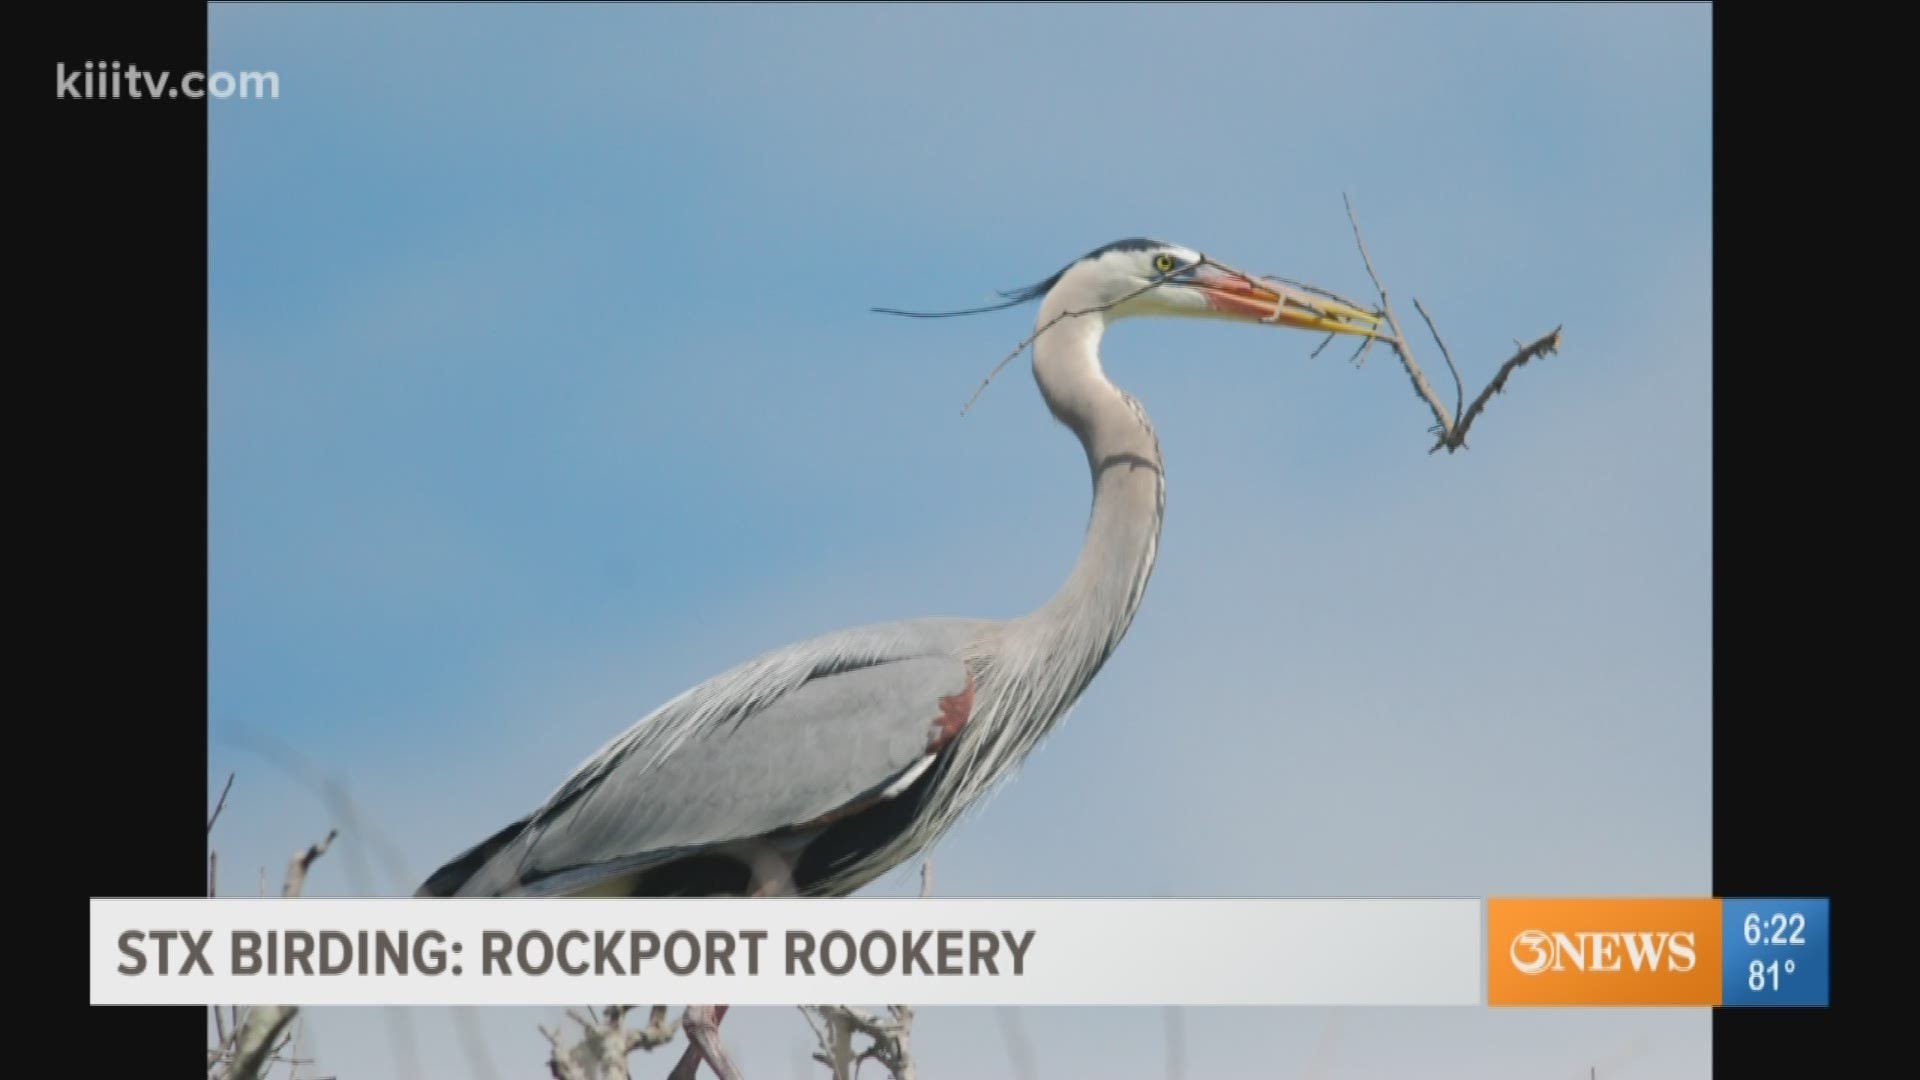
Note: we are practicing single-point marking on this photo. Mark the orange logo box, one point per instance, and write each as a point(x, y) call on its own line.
point(1595, 951)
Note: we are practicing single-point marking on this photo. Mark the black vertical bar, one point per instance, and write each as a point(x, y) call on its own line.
point(1786, 697)
point(120, 387)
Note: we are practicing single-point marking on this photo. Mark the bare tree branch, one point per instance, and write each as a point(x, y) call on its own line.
point(254, 1049)
point(890, 1039)
point(213, 889)
point(605, 1043)
point(1459, 388)
point(219, 806)
point(840, 1048)
point(340, 803)
point(891, 1042)
point(1543, 346)
point(259, 1039)
point(1451, 434)
point(297, 868)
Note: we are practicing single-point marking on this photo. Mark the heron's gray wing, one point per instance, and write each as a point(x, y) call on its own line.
point(783, 741)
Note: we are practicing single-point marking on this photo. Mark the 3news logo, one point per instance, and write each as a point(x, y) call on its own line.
point(1603, 952)
point(1537, 951)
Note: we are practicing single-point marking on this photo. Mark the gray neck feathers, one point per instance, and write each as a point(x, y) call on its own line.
point(1032, 670)
point(1087, 617)
point(1045, 659)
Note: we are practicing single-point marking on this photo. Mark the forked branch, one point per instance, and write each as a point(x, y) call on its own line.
point(1450, 432)
point(889, 1038)
point(605, 1042)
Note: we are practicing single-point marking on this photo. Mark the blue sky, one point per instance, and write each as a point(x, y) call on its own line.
point(543, 385)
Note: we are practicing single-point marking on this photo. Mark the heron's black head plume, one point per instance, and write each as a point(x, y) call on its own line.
point(1028, 294)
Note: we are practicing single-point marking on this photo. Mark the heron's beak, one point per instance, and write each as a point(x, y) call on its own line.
point(1230, 292)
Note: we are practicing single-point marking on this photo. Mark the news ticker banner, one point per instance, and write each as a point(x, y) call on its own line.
point(1551, 951)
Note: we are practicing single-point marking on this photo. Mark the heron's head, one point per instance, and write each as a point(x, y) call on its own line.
point(1140, 277)
point(1150, 278)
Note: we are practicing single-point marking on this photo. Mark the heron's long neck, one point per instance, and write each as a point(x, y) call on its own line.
point(1047, 658)
point(1083, 622)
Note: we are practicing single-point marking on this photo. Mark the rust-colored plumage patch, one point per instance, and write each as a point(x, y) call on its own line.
point(954, 711)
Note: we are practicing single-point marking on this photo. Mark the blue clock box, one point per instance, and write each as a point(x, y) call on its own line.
point(1775, 952)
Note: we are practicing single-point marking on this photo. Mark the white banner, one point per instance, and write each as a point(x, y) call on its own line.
point(320, 951)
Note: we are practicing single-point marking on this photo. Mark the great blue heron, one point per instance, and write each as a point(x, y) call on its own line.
point(817, 767)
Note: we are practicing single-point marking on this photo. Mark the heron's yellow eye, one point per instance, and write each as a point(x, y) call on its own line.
point(1163, 262)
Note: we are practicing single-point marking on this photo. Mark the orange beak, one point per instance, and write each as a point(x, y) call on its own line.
point(1230, 292)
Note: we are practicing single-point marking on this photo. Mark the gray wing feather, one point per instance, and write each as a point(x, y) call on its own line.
point(781, 740)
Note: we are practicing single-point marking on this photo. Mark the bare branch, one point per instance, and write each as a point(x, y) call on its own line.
point(259, 1038)
point(254, 1050)
point(219, 806)
point(333, 791)
point(902, 1048)
point(605, 1043)
point(1450, 434)
point(1543, 346)
point(297, 869)
point(659, 1030)
point(341, 805)
point(839, 1047)
point(1459, 390)
point(1398, 340)
point(890, 1040)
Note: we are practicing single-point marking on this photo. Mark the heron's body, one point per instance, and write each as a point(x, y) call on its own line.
point(817, 767)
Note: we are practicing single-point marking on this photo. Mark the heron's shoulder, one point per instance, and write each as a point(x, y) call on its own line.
point(900, 639)
point(755, 684)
